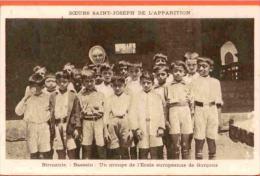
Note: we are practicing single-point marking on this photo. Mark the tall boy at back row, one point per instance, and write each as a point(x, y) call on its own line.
point(208, 101)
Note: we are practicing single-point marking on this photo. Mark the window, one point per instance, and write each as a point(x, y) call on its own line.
point(229, 61)
point(125, 48)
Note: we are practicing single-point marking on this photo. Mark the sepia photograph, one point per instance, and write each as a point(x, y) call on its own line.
point(60, 73)
point(130, 92)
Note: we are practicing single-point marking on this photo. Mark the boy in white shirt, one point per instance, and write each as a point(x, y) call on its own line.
point(35, 107)
point(208, 101)
point(148, 107)
point(179, 100)
point(117, 117)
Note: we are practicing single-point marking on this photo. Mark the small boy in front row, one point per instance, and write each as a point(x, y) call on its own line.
point(118, 120)
point(208, 101)
point(35, 107)
point(65, 117)
point(148, 107)
point(179, 101)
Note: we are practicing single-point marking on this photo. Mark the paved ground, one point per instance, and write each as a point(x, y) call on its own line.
point(226, 149)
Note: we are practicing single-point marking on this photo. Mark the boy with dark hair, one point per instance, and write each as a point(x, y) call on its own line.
point(118, 120)
point(161, 74)
point(92, 111)
point(148, 108)
point(106, 71)
point(179, 100)
point(208, 102)
point(65, 117)
point(35, 107)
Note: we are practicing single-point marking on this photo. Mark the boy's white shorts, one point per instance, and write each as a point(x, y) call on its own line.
point(206, 122)
point(91, 130)
point(38, 137)
point(180, 120)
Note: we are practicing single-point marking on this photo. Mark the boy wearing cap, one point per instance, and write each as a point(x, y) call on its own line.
point(161, 74)
point(148, 108)
point(92, 110)
point(117, 113)
point(178, 102)
point(35, 107)
point(65, 117)
point(208, 102)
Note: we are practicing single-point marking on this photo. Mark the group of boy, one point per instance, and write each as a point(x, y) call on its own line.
point(122, 111)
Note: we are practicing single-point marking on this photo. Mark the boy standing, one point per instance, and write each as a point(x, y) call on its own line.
point(117, 119)
point(190, 60)
point(150, 119)
point(35, 107)
point(65, 111)
point(192, 65)
point(179, 100)
point(208, 102)
point(92, 111)
point(107, 72)
point(161, 74)
point(50, 83)
point(133, 87)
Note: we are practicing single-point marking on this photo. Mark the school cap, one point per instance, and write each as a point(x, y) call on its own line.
point(179, 63)
point(206, 59)
point(36, 79)
point(160, 55)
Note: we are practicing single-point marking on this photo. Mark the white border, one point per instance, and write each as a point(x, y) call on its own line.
point(225, 167)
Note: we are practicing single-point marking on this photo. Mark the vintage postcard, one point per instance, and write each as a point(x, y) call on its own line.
point(129, 89)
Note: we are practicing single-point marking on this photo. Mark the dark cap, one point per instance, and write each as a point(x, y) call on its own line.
point(36, 79)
